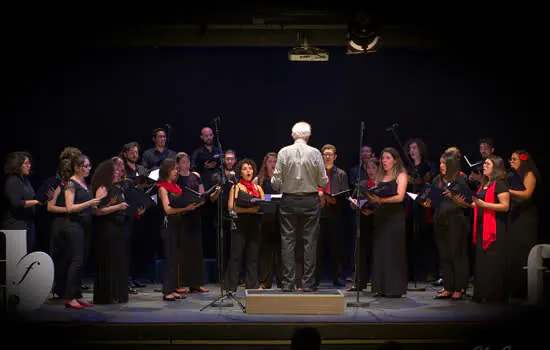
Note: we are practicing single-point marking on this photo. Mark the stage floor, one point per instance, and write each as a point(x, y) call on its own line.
point(415, 319)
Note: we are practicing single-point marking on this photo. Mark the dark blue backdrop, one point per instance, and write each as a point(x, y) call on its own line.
point(99, 100)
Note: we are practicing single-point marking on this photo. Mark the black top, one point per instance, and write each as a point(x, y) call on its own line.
point(447, 204)
point(191, 181)
point(139, 171)
point(115, 196)
point(267, 187)
point(17, 190)
point(201, 155)
point(244, 200)
point(81, 195)
point(353, 175)
point(152, 157)
point(501, 216)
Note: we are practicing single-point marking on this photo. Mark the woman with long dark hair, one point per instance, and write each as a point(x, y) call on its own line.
point(522, 233)
point(169, 192)
point(271, 264)
point(110, 243)
point(451, 228)
point(491, 205)
point(190, 257)
point(389, 254)
point(19, 197)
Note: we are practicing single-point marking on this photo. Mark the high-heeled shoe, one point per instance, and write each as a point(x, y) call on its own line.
point(202, 290)
point(181, 291)
point(457, 296)
point(167, 298)
point(178, 296)
point(84, 303)
point(69, 304)
point(440, 296)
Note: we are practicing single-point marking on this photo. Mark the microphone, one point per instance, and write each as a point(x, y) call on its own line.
point(362, 125)
point(168, 126)
point(392, 127)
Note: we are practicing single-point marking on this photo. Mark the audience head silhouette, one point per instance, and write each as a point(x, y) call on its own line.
point(306, 338)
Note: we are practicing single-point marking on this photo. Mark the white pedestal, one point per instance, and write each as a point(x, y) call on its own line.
point(29, 277)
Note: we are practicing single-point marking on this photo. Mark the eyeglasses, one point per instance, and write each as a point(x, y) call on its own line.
point(87, 166)
point(328, 154)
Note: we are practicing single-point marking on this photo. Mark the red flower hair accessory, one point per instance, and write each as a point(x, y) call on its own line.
point(523, 157)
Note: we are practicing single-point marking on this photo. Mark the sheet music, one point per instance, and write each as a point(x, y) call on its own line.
point(470, 164)
point(154, 175)
point(354, 201)
point(412, 195)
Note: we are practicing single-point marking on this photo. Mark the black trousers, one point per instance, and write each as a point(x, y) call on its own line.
point(452, 236)
point(73, 235)
point(331, 232)
point(271, 264)
point(245, 240)
point(422, 250)
point(169, 236)
point(292, 209)
point(366, 224)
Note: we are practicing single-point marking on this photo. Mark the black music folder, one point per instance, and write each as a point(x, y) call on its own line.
point(184, 200)
point(432, 192)
point(47, 188)
point(514, 181)
point(337, 193)
point(144, 182)
point(136, 198)
point(269, 204)
point(383, 189)
point(457, 189)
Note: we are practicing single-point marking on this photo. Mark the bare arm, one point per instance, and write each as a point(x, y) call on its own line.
point(504, 205)
point(530, 182)
point(52, 208)
point(69, 200)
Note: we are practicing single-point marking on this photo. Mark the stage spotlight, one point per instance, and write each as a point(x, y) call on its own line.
point(362, 36)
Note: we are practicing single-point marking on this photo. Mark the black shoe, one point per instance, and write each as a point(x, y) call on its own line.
point(310, 290)
point(438, 282)
point(287, 289)
point(137, 284)
point(85, 287)
point(132, 290)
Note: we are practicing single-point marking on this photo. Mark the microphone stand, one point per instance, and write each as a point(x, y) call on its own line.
point(358, 303)
point(219, 302)
point(415, 220)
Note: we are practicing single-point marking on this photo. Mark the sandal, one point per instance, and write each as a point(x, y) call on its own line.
point(198, 290)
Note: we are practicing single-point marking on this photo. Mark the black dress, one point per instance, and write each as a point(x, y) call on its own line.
point(520, 238)
point(111, 247)
point(190, 252)
point(170, 232)
point(270, 250)
point(489, 270)
point(246, 238)
point(17, 190)
point(451, 229)
point(58, 245)
point(389, 254)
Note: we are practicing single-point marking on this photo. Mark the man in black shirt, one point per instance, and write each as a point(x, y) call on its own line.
point(206, 159)
point(153, 156)
point(130, 155)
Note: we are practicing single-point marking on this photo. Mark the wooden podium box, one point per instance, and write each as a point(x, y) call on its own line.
point(277, 302)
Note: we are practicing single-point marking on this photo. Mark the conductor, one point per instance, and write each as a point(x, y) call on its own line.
point(299, 172)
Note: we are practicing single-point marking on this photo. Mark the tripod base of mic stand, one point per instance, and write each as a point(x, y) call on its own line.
point(357, 304)
point(220, 303)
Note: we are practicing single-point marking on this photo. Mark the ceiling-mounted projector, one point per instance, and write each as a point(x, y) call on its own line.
point(306, 53)
point(310, 54)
